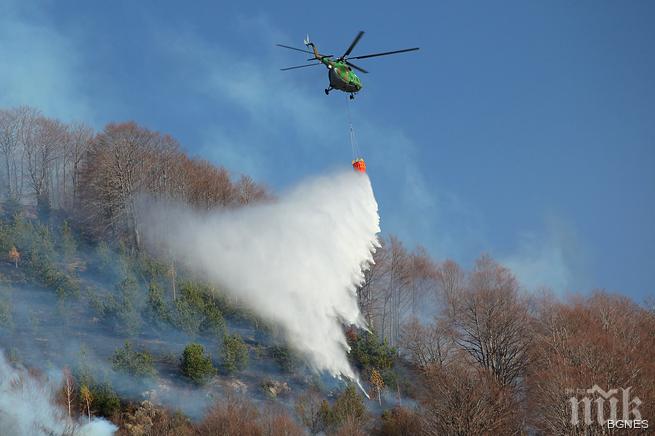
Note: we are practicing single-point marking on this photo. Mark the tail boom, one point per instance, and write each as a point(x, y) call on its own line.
point(317, 55)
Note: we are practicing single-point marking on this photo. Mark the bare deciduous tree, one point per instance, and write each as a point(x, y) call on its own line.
point(9, 147)
point(43, 141)
point(427, 345)
point(80, 137)
point(125, 160)
point(69, 390)
point(247, 191)
point(602, 340)
point(491, 322)
point(87, 399)
point(462, 400)
point(450, 280)
point(309, 407)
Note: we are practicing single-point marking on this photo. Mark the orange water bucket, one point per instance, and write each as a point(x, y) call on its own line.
point(359, 165)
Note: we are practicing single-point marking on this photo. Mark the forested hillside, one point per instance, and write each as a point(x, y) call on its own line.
point(132, 336)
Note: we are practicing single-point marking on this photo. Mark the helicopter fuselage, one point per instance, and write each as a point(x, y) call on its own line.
point(342, 77)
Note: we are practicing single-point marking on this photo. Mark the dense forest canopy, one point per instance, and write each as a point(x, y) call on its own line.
point(450, 350)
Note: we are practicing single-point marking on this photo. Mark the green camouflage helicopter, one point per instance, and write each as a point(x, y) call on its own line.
point(340, 70)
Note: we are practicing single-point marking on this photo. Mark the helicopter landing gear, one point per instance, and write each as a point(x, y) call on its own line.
point(328, 89)
point(352, 96)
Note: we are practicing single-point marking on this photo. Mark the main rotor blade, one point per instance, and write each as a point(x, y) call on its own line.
point(353, 44)
point(384, 54)
point(294, 48)
point(299, 66)
point(356, 67)
point(322, 57)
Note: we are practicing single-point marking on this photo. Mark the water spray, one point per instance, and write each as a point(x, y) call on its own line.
point(362, 388)
point(295, 262)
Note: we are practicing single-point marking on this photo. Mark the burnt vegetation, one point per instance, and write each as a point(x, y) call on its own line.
point(450, 351)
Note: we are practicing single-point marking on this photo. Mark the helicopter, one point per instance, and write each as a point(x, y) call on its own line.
point(340, 70)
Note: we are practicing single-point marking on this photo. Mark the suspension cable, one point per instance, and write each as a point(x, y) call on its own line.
point(351, 132)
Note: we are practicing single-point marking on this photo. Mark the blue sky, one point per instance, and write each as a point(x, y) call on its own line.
point(525, 130)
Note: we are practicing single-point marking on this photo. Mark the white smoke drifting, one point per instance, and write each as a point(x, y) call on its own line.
point(27, 408)
point(296, 261)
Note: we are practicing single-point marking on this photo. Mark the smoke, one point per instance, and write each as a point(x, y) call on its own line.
point(97, 427)
point(296, 261)
point(27, 408)
point(553, 258)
